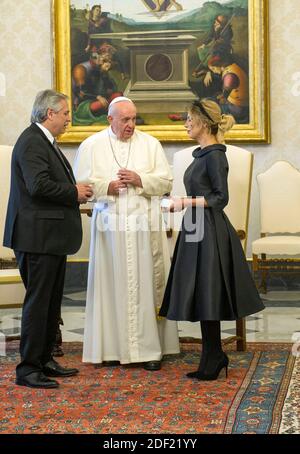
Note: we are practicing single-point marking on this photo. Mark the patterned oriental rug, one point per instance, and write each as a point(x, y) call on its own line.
point(260, 396)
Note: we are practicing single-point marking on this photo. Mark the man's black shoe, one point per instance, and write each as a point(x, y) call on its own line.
point(152, 365)
point(57, 348)
point(37, 380)
point(57, 351)
point(53, 369)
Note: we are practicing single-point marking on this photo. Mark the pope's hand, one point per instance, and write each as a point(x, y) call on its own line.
point(115, 187)
point(130, 177)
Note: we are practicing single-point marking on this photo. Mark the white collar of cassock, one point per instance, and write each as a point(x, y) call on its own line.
point(113, 136)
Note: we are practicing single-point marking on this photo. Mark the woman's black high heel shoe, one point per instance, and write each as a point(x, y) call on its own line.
point(201, 366)
point(202, 375)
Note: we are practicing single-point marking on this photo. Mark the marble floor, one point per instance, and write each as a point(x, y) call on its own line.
point(279, 322)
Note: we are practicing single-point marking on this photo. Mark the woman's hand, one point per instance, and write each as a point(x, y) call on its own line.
point(172, 204)
point(177, 204)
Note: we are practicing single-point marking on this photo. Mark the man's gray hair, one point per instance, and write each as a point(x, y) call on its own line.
point(46, 99)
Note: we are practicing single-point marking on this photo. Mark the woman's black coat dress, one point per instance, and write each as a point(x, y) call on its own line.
point(209, 279)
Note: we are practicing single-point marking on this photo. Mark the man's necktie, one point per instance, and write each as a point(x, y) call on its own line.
point(62, 158)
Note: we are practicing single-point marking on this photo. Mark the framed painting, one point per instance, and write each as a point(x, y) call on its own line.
point(163, 54)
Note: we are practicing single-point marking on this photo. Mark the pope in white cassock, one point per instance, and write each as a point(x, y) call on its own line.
point(129, 257)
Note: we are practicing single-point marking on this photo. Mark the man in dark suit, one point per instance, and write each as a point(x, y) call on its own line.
point(43, 225)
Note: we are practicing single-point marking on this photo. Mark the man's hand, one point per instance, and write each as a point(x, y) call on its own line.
point(130, 177)
point(84, 192)
point(115, 186)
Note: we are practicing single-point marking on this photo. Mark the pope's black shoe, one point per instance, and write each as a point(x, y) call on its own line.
point(53, 369)
point(36, 380)
point(110, 363)
point(152, 365)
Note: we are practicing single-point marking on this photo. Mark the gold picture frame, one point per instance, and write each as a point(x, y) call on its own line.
point(256, 130)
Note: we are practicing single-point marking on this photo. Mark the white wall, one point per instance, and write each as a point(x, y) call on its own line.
point(26, 67)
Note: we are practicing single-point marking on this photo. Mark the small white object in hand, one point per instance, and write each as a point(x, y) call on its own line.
point(165, 203)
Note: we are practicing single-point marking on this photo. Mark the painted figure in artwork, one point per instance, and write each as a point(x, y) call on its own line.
point(218, 42)
point(93, 88)
point(158, 6)
point(233, 96)
point(98, 22)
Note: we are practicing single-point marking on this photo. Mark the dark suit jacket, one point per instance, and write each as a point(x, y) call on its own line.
point(43, 212)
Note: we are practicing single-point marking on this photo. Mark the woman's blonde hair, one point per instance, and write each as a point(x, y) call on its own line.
point(209, 112)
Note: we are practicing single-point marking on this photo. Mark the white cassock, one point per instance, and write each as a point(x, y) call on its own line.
point(129, 257)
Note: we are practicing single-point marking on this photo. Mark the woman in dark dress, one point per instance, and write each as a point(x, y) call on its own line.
point(209, 279)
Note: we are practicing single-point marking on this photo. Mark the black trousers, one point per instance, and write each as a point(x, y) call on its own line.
point(43, 276)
